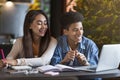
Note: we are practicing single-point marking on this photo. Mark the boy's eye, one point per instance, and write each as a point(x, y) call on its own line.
point(81, 28)
point(75, 29)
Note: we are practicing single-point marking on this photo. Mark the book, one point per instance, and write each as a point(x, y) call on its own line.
point(15, 71)
point(58, 68)
point(21, 67)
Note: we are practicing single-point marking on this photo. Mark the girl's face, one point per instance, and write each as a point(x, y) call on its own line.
point(39, 25)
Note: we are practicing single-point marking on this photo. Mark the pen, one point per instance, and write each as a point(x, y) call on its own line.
point(3, 56)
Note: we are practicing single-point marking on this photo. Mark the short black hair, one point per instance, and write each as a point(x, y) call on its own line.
point(70, 17)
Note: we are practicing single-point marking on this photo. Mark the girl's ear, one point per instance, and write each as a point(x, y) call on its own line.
point(65, 32)
point(30, 26)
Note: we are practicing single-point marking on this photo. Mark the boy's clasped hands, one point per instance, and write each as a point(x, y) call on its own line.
point(75, 54)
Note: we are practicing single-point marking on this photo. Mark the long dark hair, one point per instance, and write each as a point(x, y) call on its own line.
point(27, 37)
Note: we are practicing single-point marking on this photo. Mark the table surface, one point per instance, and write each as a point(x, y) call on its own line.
point(62, 76)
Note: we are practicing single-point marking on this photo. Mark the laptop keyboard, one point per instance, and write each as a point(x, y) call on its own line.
point(92, 68)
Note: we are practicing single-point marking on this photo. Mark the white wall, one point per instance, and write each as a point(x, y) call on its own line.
point(12, 19)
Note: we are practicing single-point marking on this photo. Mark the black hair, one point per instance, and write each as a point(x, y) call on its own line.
point(70, 17)
point(27, 37)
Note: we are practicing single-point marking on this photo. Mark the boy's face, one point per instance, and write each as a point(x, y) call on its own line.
point(75, 32)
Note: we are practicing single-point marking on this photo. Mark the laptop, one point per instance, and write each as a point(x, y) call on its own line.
point(109, 59)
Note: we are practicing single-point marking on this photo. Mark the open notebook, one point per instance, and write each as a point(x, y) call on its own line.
point(58, 68)
point(109, 59)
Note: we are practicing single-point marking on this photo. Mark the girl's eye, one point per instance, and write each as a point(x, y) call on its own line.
point(45, 22)
point(39, 23)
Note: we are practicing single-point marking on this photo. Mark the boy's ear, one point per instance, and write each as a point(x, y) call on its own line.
point(65, 32)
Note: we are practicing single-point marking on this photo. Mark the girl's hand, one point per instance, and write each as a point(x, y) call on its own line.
point(10, 62)
point(2, 64)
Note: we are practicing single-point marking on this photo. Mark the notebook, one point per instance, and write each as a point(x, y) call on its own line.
point(109, 59)
point(56, 68)
point(21, 67)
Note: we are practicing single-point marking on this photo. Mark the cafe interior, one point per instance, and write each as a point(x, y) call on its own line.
point(101, 21)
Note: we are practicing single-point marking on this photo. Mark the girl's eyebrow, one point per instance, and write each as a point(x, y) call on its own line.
point(41, 20)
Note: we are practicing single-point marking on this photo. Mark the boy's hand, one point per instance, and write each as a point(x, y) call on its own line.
point(69, 57)
point(81, 58)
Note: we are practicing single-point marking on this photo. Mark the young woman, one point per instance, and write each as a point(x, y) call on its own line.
point(36, 47)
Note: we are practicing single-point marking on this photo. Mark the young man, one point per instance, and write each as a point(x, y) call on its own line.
point(74, 49)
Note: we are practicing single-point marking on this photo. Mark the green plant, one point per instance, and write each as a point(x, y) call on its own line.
point(102, 20)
